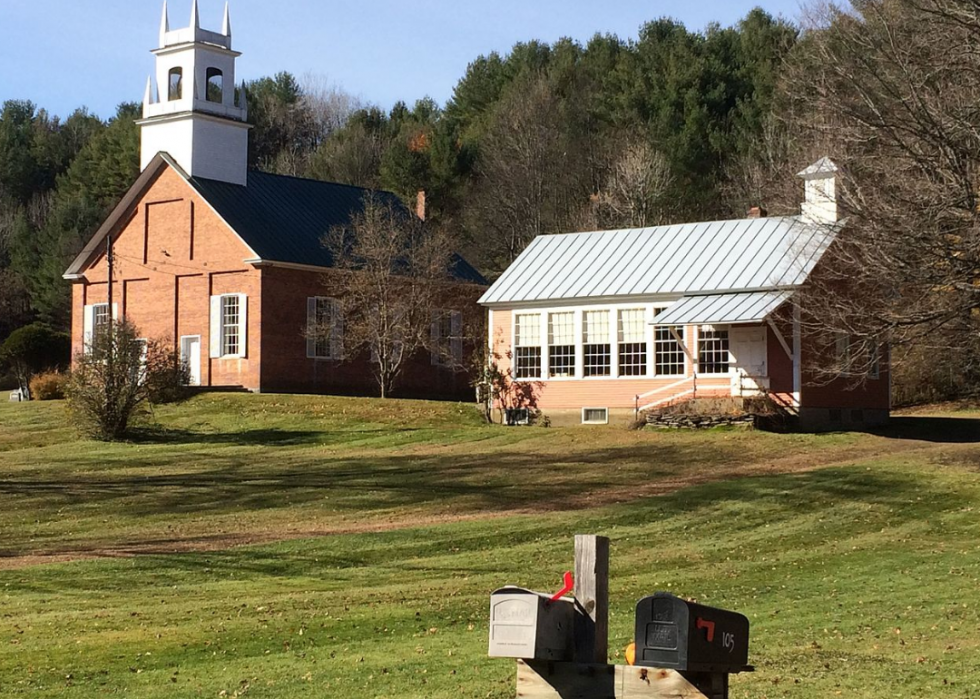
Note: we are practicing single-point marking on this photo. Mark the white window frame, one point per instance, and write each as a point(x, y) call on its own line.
point(612, 318)
point(516, 343)
point(697, 349)
point(686, 362)
point(575, 344)
point(595, 422)
point(618, 344)
point(89, 315)
point(217, 335)
point(335, 344)
point(688, 334)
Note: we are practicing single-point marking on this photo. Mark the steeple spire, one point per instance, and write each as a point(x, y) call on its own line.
point(147, 96)
point(226, 26)
point(195, 16)
point(164, 24)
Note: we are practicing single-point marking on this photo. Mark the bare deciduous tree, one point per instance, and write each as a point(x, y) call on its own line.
point(328, 105)
point(891, 90)
point(633, 194)
point(391, 278)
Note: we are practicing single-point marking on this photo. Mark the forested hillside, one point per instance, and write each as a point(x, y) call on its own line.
point(547, 138)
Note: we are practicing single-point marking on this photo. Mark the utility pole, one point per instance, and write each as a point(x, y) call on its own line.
point(108, 254)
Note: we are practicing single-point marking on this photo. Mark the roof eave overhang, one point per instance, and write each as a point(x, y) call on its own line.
point(777, 298)
point(143, 182)
point(634, 298)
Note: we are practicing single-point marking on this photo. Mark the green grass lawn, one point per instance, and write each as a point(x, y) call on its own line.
point(382, 528)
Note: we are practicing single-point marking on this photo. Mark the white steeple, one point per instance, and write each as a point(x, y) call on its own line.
point(201, 120)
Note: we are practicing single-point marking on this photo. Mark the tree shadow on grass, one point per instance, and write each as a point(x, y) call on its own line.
point(272, 437)
point(946, 430)
point(768, 506)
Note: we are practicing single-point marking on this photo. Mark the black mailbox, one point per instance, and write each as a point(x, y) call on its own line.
point(679, 635)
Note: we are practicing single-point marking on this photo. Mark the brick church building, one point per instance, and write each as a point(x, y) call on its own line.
point(229, 263)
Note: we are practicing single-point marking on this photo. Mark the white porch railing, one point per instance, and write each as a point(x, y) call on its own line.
point(667, 394)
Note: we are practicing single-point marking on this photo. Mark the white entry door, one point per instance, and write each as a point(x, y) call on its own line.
point(190, 355)
point(749, 360)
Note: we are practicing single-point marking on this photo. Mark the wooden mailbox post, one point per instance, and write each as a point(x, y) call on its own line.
point(577, 667)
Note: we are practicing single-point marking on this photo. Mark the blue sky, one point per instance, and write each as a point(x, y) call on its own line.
point(62, 54)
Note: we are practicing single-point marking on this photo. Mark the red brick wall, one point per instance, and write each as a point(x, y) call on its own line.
point(170, 257)
point(286, 368)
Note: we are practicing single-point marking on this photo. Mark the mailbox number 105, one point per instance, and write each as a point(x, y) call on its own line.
point(728, 641)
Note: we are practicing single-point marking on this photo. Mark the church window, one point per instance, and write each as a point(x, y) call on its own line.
point(176, 85)
point(216, 82)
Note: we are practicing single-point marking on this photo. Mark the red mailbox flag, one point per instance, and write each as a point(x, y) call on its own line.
point(569, 584)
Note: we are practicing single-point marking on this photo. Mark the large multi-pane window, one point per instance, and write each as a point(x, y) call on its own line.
point(668, 353)
point(632, 342)
point(527, 346)
point(712, 350)
point(561, 345)
point(230, 337)
point(597, 347)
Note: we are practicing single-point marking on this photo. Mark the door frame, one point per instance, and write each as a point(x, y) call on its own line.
point(184, 341)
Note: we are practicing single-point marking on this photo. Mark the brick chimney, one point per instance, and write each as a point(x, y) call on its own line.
point(757, 212)
point(421, 207)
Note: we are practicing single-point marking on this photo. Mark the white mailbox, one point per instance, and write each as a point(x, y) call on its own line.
point(526, 624)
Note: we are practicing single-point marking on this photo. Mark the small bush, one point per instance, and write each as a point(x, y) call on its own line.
point(107, 389)
point(167, 377)
point(114, 383)
point(48, 386)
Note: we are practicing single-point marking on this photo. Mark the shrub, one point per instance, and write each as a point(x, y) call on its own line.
point(107, 389)
point(33, 349)
point(48, 386)
point(114, 383)
point(167, 377)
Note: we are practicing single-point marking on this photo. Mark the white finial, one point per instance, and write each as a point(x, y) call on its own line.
point(243, 101)
point(195, 16)
point(226, 27)
point(147, 96)
point(164, 25)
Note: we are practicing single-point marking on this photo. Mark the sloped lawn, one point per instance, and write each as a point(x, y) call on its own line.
point(855, 556)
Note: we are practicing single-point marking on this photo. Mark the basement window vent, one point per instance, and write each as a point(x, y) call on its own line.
point(518, 416)
point(595, 416)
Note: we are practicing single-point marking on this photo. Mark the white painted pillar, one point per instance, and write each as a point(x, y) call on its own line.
point(797, 357)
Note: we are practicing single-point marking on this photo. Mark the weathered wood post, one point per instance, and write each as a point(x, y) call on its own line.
point(592, 599)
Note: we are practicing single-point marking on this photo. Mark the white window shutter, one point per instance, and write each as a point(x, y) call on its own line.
point(457, 339)
point(215, 348)
point(311, 327)
point(88, 323)
point(434, 352)
point(242, 325)
point(115, 311)
point(337, 330)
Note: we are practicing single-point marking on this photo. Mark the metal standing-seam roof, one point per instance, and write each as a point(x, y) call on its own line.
point(691, 258)
point(724, 309)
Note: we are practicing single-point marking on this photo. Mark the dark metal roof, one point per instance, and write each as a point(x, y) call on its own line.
point(284, 219)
